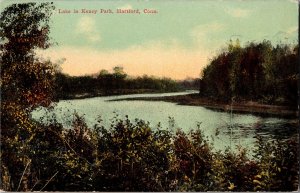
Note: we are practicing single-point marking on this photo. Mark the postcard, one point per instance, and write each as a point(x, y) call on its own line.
point(149, 95)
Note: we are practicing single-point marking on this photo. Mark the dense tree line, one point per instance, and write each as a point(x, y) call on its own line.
point(117, 82)
point(258, 71)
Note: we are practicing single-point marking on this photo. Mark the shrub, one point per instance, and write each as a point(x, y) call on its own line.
point(130, 156)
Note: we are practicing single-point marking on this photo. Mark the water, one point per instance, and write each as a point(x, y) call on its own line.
point(223, 129)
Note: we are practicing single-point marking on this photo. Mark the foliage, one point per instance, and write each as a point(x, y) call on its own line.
point(26, 82)
point(107, 83)
point(130, 156)
point(25, 79)
point(273, 163)
point(258, 71)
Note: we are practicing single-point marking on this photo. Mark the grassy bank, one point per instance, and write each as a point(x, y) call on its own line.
point(240, 107)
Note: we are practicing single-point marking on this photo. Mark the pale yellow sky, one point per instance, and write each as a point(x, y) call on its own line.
point(175, 62)
point(177, 42)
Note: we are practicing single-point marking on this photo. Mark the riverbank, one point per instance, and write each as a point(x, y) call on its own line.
point(114, 92)
point(238, 107)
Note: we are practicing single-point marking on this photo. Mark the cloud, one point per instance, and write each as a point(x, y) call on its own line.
point(238, 12)
point(294, 1)
point(151, 59)
point(208, 28)
point(290, 34)
point(202, 30)
point(86, 28)
point(127, 6)
point(292, 30)
point(207, 34)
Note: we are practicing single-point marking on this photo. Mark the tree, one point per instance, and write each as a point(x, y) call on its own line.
point(26, 81)
point(119, 76)
point(258, 71)
point(25, 28)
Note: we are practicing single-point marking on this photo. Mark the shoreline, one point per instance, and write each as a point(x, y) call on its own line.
point(236, 107)
point(115, 93)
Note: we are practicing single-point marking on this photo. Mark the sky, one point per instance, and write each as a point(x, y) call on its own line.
point(177, 42)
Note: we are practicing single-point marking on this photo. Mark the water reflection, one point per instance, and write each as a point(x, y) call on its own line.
point(225, 129)
point(265, 129)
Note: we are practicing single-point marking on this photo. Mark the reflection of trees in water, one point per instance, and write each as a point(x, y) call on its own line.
point(280, 131)
point(266, 130)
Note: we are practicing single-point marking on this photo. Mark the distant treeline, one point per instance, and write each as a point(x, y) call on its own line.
point(117, 82)
point(259, 71)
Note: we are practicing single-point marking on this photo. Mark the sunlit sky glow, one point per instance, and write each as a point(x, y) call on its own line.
point(177, 42)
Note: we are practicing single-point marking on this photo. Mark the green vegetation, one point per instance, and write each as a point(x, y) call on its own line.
point(128, 156)
point(259, 72)
point(131, 156)
point(26, 81)
point(106, 83)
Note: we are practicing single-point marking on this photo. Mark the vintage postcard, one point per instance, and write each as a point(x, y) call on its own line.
point(149, 95)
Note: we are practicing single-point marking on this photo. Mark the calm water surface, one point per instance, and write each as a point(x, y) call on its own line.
point(222, 128)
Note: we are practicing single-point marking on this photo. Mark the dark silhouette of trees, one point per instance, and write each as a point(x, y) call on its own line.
point(106, 83)
point(26, 83)
point(259, 71)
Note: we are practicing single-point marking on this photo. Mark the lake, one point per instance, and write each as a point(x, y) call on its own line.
point(222, 128)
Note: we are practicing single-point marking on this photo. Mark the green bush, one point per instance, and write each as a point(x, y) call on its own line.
point(130, 156)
